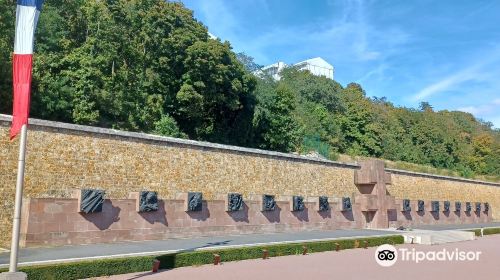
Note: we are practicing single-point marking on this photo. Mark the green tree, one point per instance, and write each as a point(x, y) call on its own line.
point(248, 62)
point(275, 123)
point(127, 63)
point(7, 14)
point(357, 126)
point(216, 98)
point(317, 103)
point(148, 65)
point(167, 126)
point(425, 106)
point(483, 148)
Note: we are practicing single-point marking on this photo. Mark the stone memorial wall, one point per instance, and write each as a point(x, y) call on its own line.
point(63, 158)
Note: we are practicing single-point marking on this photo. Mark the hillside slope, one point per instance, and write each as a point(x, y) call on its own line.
point(150, 66)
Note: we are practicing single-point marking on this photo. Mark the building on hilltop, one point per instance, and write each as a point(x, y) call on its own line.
point(317, 66)
point(212, 36)
point(272, 70)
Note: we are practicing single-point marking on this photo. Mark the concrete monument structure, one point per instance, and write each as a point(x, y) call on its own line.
point(49, 221)
point(120, 163)
point(373, 199)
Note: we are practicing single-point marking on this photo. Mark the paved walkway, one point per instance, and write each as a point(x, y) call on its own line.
point(346, 264)
point(72, 253)
point(467, 226)
point(29, 256)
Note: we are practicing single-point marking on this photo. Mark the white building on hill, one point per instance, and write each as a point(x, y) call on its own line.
point(273, 70)
point(317, 66)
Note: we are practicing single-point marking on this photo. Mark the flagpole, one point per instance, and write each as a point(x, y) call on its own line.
point(14, 248)
point(27, 14)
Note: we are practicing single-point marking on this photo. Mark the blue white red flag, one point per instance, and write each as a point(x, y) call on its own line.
point(27, 14)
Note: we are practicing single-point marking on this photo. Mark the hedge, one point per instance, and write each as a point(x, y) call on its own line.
point(106, 267)
point(487, 231)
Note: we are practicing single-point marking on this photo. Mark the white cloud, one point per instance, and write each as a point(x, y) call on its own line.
point(377, 72)
point(490, 108)
point(346, 35)
point(446, 83)
point(495, 121)
point(364, 50)
point(477, 71)
point(489, 111)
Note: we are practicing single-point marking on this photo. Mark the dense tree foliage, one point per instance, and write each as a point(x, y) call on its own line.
point(248, 62)
point(150, 66)
point(276, 127)
point(7, 15)
point(128, 64)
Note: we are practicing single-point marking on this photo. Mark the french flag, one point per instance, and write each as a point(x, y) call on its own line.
point(27, 14)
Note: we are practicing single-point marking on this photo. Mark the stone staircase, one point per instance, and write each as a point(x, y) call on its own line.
point(431, 237)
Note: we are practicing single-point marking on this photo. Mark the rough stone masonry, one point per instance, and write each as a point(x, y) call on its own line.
point(63, 157)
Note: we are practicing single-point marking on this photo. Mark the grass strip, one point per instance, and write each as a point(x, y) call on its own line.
point(486, 231)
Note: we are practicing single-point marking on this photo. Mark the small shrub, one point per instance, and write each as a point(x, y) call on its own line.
point(486, 231)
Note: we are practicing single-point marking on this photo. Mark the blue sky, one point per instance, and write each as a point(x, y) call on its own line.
point(445, 52)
